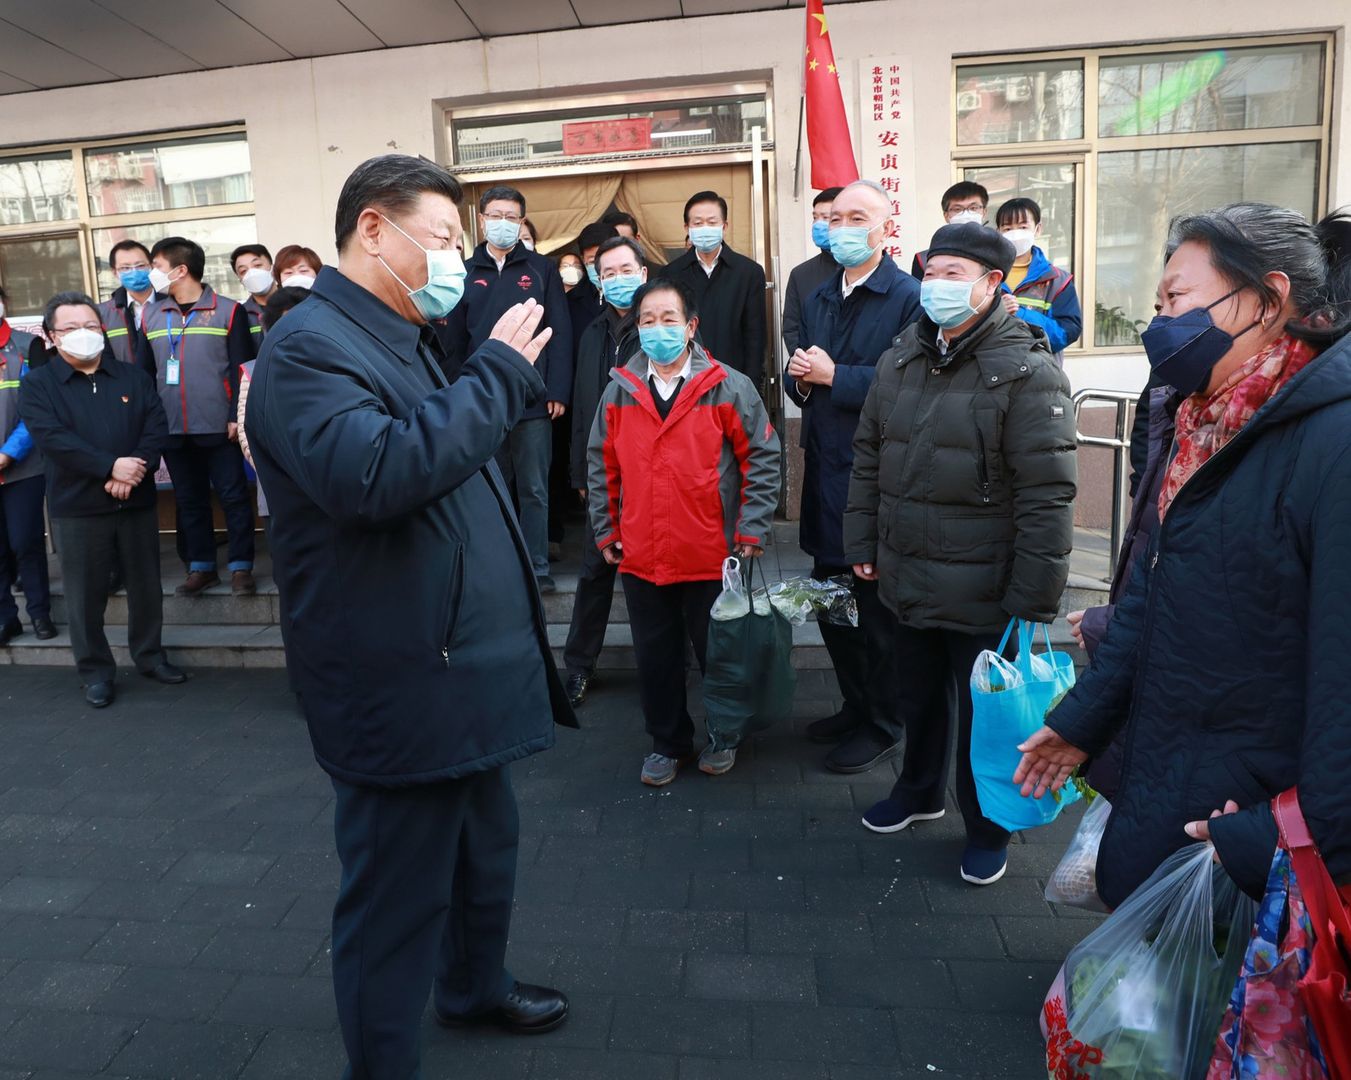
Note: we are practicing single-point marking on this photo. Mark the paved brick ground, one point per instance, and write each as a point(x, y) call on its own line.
point(166, 879)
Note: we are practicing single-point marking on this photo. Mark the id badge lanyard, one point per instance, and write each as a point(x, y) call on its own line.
point(172, 371)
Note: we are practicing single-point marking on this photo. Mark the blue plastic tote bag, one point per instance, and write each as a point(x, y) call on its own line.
point(1010, 702)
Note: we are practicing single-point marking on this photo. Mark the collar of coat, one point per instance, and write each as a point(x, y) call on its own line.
point(483, 261)
point(705, 373)
point(880, 281)
point(372, 315)
point(1005, 348)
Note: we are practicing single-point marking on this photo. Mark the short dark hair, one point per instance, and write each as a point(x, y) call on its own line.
point(1012, 212)
point(180, 251)
point(705, 196)
point(665, 284)
point(594, 235)
point(526, 223)
point(965, 189)
point(69, 298)
point(830, 194)
point(390, 183)
point(619, 217)
point(501, 191)
point(616, 242)
point(3, 295)
point(280, 302)
point(249, 249)
point(126, 245)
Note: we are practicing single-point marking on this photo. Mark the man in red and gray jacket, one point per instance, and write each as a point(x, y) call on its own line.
point(682, 471)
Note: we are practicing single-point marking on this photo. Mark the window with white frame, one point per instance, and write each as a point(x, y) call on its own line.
point(1114, 143)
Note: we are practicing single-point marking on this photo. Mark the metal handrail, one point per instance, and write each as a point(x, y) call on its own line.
point(1120, 446)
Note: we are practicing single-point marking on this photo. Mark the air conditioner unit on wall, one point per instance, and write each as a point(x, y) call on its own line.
point(968, 101)
point(1018, 89)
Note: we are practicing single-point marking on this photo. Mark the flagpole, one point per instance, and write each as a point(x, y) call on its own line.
point(797, 164)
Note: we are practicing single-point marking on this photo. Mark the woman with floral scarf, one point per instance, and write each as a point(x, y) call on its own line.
point(1228, 659)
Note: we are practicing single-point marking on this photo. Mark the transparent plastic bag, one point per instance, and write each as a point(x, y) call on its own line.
point(1142, 996)
point(732, 602)
point(1075, 881)
point(796, 598)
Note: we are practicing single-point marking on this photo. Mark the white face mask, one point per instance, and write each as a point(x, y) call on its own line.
point(2, 307)
point(527, 243)
point(82, 344)
point(974, 217)
point(1021, 239)
point(159, 280)
point(257, 280)
point(298, 281)
point(571, 275)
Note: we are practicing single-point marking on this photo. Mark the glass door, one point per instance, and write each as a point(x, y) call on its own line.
point(36, 266)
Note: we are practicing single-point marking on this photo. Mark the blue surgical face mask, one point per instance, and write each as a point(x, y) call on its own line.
point(619, 289)
point(592, 275)
point(662, 343)
point(1184, 349)
point(849, 244)
point(821, 234)
point(445, 280)
point(135, 280)
point(948, 303)
point(501, 233)
point(706, 238)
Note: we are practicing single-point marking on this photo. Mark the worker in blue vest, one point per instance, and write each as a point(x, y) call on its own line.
point(503, 272)
point(122, 312)
point(1040, 294)
point(194, 342)
point(252, 264)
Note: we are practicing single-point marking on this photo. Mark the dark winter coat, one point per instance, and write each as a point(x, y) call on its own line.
point(731, 305)
point(414, 632)
point(1227, 655)
point(854, 333)
point(489, 293)
point(804, 280)
point(606, 344)
point(962, 492)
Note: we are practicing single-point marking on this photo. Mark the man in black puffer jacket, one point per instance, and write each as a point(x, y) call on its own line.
point(961, 505)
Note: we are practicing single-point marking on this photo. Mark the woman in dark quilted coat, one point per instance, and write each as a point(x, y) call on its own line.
point(1227, 656)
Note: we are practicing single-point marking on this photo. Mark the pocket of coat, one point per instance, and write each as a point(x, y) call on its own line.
point(974, 535)
point(453, 599)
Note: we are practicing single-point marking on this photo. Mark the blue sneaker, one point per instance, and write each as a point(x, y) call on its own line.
point(889, 816)
point(983, 867)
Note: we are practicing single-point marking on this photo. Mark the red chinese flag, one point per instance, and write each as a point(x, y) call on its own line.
point(828, 140)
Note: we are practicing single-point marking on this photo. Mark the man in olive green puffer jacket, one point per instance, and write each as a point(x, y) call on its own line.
point(961, 505)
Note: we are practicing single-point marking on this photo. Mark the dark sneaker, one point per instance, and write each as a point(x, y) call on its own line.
point(576, 687)
point(10, 630)
point(982, 867)
point(546, 584)
point(717, 762)
point(833, 728)
point(659, 770)
point(99, 694)
point(242, 583)
point(197, 582)
point(864, 749)
point(43, 629)
point(889, 816)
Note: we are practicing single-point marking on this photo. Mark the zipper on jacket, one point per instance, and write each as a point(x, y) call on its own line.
point(445, 655)
point(982, 469)
point(93, 384)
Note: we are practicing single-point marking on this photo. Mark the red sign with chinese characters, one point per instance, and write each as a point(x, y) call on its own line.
point(607, 136)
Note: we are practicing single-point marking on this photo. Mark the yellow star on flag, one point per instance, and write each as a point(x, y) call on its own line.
point(813, 65)
point(822, 19)
point(830, 68)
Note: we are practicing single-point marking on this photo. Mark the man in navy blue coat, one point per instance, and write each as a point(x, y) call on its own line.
point(413, 629)
point(503, 272)
point(847, 323)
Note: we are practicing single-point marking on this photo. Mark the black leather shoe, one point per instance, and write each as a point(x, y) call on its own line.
point(99, 694)
point(10, 631)
point(528, 1010)
point(865, 749)
point(167, 674)
point(43, 628)
point(833, 728)
point(576, 687)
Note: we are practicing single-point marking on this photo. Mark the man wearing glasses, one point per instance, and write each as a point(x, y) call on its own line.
point(502, 273)
point(121, 312)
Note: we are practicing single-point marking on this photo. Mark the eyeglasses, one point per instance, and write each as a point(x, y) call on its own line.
point(94, 326)
point(132, 266)
point(515, 219)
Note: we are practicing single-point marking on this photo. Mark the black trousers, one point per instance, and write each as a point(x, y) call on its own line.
point(936, 704)
point(561, 493)
point(198, 463)
point(88, 547)
point(428, 875)
point(663, 618)
point(23, 548)
point(864, 657)
point(590, 609)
